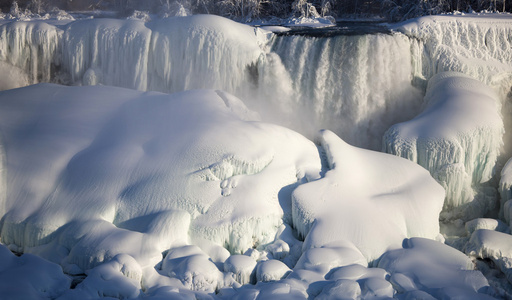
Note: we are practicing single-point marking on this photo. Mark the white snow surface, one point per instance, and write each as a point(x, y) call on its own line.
point(457, 137)
point(374, 200)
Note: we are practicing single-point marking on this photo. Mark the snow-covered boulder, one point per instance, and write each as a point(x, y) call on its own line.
point(91, 171)
point(370, 199)
point(433, 268)
point(494, 245)
point(243, 268)
point(457, 138)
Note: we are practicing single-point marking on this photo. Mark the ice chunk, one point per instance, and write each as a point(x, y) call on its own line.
point(190, 265)
point(457, 138)
point(370, 199)
point(342, 289)
point(120, 278)
point(495, 245)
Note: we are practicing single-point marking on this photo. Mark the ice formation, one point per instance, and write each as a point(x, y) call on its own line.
point(457, 138)
point(478, 46)
point(403, 201)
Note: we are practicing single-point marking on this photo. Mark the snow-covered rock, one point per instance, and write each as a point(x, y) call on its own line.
point(434, 268)
point(494, 245)
point(457, 138)
point(370, 199)
point(243, 268)
point(486, 223)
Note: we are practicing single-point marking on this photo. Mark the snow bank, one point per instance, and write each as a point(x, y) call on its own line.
point(367, 198)
point(92, 171)
point(457, 138)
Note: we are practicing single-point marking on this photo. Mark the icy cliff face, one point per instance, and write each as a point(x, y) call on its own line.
point(457, 138)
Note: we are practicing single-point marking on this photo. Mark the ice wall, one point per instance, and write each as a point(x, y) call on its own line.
point(458, 138)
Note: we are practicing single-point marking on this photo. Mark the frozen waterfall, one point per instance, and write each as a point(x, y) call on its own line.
point(356, 85)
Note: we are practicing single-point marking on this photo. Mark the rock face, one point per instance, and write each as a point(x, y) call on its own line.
point(457, 138)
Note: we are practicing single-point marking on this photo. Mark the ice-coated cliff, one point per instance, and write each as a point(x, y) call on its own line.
point(457, 137)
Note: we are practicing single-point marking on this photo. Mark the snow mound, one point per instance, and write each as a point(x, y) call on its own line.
point(243, 268)
point(457, 138)
point(427, 266)
point(494, 245)
point(91, 171)
point(371, 199)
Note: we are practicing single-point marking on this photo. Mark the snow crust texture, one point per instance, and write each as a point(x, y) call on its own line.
point(457, 137)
